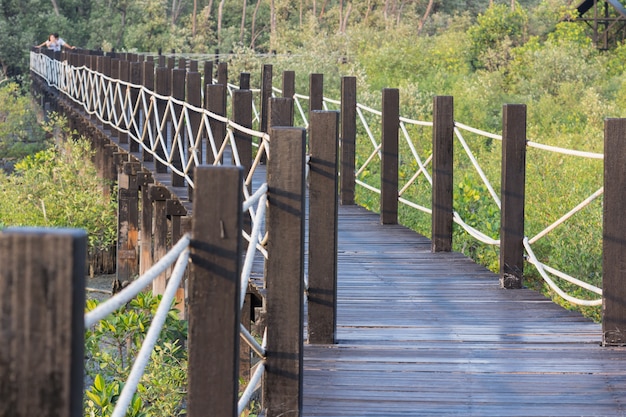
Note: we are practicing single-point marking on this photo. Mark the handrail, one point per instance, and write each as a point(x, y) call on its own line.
point(110, 100)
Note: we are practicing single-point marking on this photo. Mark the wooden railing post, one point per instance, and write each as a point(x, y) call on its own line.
point(242, 115)
point(148, 82)
point(162, 86)
point(214, 293)
point(323, 223)
point(194, 97)
point(389, 151)
point(42, 294)
point(280, 111)
point(244, 81)
point(443, 168)
point(316, 93)
point(215, 102)
point(159, 196)
point(266, 93)
point(513, 195)
point(348, 139)
point(135, 78)
point(289, 84)
point(124, 75)
point(208, 74)
point(222, 75)
point(178, 92)
point(284, 272)
point(614, 234)
point(115, 75)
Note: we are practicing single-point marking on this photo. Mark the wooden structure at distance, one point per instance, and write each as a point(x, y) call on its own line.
point(607, 20)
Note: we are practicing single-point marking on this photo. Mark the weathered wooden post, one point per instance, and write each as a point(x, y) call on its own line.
point(208, 74)
point(242, 115)
point(135, 127)
point(348, 139)
point(389, 152)
point(280, 111)
point(162, 85)
point(289, 84)
point(144, 180)
point(244, 80)
point(194, 97)
point(323, 223)
point(266, 93)
point(316, 93)
point(222, 75)
point(159, 196)
point(176, 212)
point(124, 76)
point(284, 272)
point(42, 294)
point(115, 75)
point(214, 293)
point(128, 221)
point(178, 92)
point(148, 82)
point(513, 195)
point(443, 169)
point(215, 102)
point(614, 234)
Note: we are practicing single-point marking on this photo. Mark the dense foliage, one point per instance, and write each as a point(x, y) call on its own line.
point(56, 186)
point(111, 347)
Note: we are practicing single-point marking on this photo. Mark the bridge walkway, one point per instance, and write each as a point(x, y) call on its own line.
point(433, 334)
point(425, 334)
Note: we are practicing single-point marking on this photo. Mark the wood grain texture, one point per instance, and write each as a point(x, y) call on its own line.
point(433, 334)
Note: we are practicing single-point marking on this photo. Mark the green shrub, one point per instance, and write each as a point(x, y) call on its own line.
point(59, 187)
point(111, 348)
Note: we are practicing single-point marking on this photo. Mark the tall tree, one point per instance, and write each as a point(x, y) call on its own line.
point(243, 20)
point(429, 8)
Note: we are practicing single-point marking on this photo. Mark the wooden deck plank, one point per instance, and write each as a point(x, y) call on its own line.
point(424, 334)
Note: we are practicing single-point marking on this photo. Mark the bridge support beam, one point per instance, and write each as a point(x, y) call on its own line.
point(128, 222)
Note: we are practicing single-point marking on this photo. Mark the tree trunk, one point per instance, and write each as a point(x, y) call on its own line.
point(194, 17)
point(253, 26)
point(210, 9)
point(220, 10)
point(243, 20)
point(272, 23)
point(420, 25)
point(55, 6)
point(345, 18)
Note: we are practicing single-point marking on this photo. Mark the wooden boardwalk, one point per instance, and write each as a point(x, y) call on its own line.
point(432, 334)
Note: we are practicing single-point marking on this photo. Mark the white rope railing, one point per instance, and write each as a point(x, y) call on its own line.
point(144, 119)
point(165, 130)
point(64, 79)
point(422, 164)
